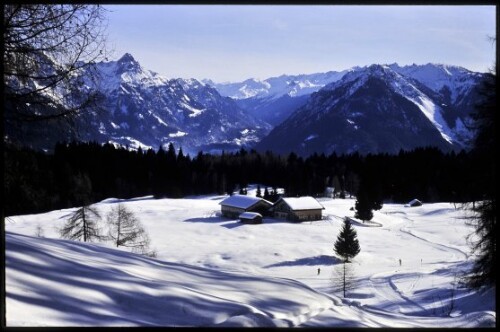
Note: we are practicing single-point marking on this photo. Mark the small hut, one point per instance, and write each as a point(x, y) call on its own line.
point(251, 218)
point(414, 202)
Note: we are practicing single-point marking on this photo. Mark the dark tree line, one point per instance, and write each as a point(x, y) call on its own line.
point(78, 173)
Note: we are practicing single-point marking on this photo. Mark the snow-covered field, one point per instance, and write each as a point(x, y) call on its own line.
point(212, 271)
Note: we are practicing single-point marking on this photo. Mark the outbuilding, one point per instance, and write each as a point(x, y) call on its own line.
point(304, 208)
point(235, 205)
point(414, 202)
point(251, 218)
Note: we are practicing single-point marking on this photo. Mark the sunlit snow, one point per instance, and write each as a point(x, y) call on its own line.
point(212, 271)
point(177, 134)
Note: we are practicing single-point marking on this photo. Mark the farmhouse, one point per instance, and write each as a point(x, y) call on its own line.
point(251, 218)
point(235, 205)
point(298, 208)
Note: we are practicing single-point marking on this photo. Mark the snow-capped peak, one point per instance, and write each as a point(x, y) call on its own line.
point(127, 63)
point(403, 85)
point(125, 70)
point(439, 76)
point(276, 87)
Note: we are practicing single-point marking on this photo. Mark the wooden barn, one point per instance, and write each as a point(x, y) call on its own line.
point(251, 218)
point(235, 205)
point(304, 208)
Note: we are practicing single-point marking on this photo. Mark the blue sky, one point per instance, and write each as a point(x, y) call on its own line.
point(236, 42)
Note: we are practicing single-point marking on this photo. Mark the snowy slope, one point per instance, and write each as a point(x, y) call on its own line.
point(457, 80)
point(214, 271)
point(75, 284)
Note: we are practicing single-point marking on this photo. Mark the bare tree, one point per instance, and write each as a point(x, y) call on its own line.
point(39, 231)
point(46, 46)
point(82, 225)
point(126, 230)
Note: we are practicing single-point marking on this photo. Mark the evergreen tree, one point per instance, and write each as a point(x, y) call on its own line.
point(363, 207)
point(82, 225)
point(347, 244)
point(267, 197)
point(485, 212)
point(336, 185)
point(259, 193)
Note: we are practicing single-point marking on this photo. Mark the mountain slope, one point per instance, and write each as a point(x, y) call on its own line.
point(147, 108)
point(274, 99)
point(140, 108)
point(376, 109)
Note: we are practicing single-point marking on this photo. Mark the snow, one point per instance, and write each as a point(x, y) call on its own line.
point(437, 76)
point(250, 215)
point(160, 121)
point(211, 271)
point(242, 201)
point(434, 114)
point(194, 111)
point(310, 137)
point(130, 142)
point(177, 134)
point(302, 203)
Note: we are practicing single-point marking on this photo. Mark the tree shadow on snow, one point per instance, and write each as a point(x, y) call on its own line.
point(217, 220)
point(315, 260)
point(206, 219)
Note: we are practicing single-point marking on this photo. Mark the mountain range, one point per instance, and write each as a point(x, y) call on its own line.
point(377, 108)
point(383, 108)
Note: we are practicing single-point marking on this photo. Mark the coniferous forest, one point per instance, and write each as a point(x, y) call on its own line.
point(80, 173)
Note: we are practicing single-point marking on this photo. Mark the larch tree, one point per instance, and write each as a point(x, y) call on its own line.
point(82, 225)
point(126, 230)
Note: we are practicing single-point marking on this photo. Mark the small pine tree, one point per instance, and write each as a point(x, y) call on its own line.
point(82, 225)
point(347, 244)
point(259, 192)
point(266, 194)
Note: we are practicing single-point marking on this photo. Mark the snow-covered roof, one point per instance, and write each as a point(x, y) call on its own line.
point(302, 203)
point(242, 201)
point(250, 215)
point(414, 201)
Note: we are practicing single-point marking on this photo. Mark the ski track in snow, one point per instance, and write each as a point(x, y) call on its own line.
point(406, 230)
